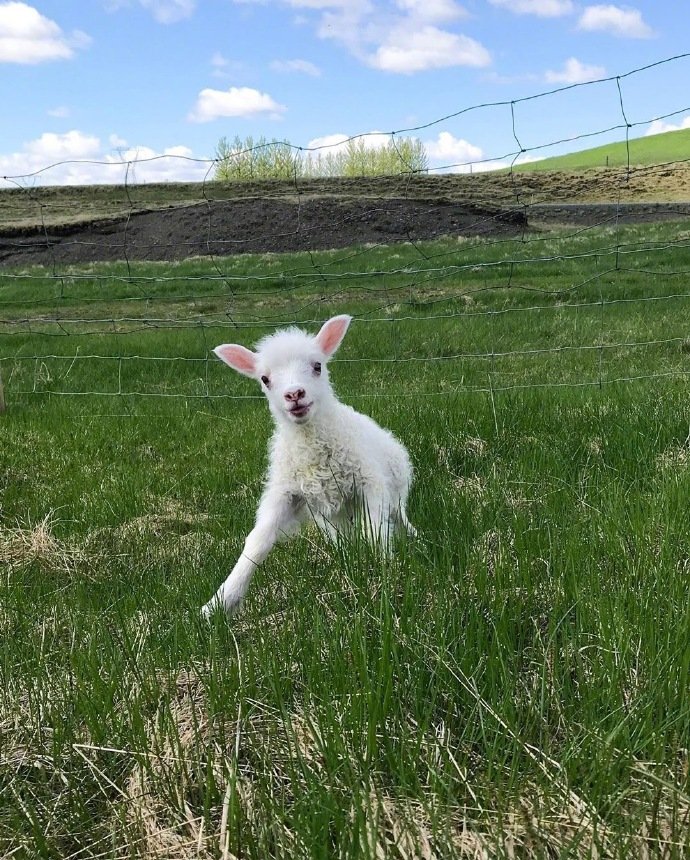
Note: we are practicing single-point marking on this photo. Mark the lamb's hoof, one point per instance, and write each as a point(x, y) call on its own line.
point(208, 610)
point(218, 607)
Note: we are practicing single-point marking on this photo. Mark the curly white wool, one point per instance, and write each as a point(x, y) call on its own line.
point(328, 462)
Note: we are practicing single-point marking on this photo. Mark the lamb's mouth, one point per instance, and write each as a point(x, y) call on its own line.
point(301, 410)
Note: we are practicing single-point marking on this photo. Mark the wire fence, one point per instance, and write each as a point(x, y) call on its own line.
point(476, 281)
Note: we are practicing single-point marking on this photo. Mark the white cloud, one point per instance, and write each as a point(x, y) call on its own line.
point(144, 164)
point(224, 68)
point(302, 66)
point(164, 11)
point(117, 143)
point(401, 36)
point(540, 8)
point(56, 147)
point(60, 112)
point(169, 11)
point(433, 10)
point(329, 4)
point(218, 61)
point(617, 20)
point(331, 143)
point(235, 102)
point(575, 72)
point(29, 38)
point(334, 142)
point(43, 154)
point(351, 24)
point(415, 49)
point(446, 152)
point(75, 158)
point(660, 126)
point(452, 152)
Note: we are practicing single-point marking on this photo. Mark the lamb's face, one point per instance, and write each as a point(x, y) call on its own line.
point(295, 383)
point(291, 368)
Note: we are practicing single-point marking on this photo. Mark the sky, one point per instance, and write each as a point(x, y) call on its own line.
point(103, 90)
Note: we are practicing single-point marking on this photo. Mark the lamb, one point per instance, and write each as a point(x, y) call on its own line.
point(328, 462)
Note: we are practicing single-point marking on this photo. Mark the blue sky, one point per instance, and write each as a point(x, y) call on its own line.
point(87, 81)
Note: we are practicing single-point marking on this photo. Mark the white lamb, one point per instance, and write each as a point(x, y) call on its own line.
point(328, 463)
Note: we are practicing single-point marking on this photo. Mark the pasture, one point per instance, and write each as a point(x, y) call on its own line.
point(652, 150)
point(513, 683)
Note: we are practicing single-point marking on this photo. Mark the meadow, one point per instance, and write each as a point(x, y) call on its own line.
point(515, 682)
point(651, 150)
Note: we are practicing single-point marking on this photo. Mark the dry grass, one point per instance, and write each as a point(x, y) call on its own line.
point(264, 758)
point(170, 527)
point(167, 531)
point(653, 183)
point(674, 458)
point(23, 546)
point(161, 825)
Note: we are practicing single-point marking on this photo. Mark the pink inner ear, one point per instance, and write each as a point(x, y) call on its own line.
point(240, 358)
point(332, 333)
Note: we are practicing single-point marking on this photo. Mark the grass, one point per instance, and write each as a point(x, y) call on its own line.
point(514, 683)
point(646, 151)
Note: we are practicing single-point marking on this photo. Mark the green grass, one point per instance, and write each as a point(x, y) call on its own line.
point(513, 683)
point(638, 151)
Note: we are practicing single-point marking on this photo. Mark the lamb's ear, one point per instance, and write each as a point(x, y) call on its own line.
point(332, 333)
point(239, 358)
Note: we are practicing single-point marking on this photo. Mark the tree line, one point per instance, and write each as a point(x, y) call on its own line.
point(243, 159)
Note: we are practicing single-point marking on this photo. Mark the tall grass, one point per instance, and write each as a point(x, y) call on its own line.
point(514, 683)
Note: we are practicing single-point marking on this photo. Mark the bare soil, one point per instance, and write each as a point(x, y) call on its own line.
point(251, 226)
point(65, 226)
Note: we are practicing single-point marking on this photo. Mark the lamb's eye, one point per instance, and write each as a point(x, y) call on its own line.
point(317, 367)
point(266, 381)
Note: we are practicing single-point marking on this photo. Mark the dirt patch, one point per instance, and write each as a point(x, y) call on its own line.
point(223, 228)
point(65, 226)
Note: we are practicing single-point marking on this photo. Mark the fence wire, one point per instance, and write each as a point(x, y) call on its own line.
point(120, 307)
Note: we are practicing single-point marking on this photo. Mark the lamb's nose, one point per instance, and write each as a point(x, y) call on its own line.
point(294, 395)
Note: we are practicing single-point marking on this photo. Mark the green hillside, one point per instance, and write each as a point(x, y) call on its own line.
point(655, 149)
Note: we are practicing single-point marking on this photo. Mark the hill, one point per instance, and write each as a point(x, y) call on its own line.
point(23, 211)
point(656, 149)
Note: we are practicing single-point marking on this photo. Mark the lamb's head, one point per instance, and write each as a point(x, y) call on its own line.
point(291, 366)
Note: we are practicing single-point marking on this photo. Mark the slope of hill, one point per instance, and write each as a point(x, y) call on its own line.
point(25, 211)
point(656, 149)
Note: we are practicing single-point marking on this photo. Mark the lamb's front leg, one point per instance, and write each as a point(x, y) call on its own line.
point(378, 526)
point(278, 517)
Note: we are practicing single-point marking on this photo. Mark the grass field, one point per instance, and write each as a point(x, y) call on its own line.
point(514, 683)
point(655, 149)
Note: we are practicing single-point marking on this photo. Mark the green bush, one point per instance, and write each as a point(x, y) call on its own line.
point(242, 160)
